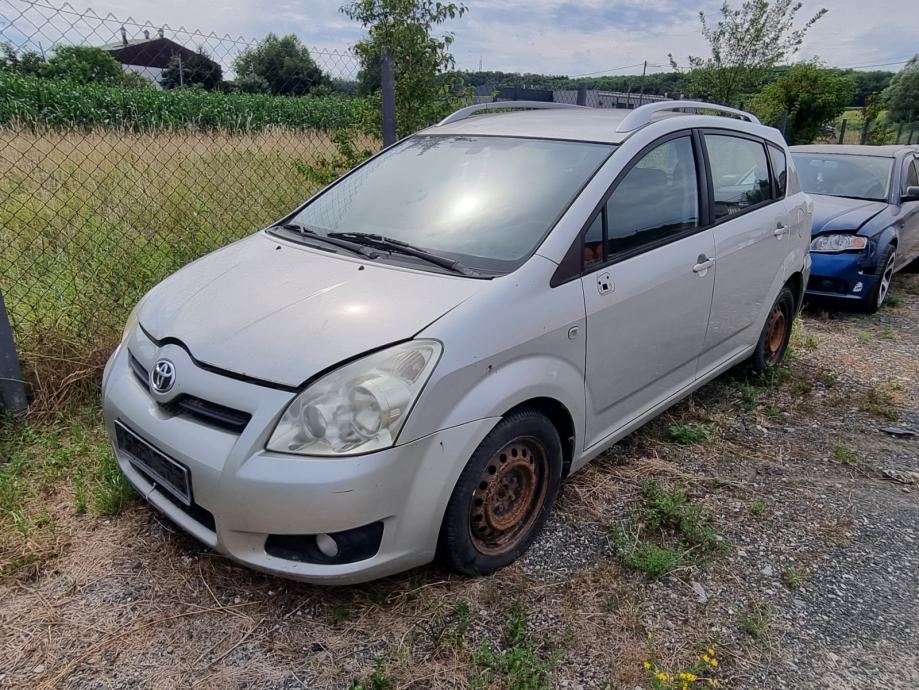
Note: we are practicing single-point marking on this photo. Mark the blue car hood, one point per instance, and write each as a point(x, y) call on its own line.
point(836, 213)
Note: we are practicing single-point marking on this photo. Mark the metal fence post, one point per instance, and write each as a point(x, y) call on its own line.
point(912, 129)
point(388, 83)
point(864, 137)
point(12, 387)
point(842, 131)
point(582, 93)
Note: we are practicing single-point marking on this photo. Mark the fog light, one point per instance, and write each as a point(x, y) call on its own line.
point(327, 545)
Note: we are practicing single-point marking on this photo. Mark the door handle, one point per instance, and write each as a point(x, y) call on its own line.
point(703, 263)
point(780, 230)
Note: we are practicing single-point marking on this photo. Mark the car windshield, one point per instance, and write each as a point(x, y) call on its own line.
point(486, 201)
point(835, 174)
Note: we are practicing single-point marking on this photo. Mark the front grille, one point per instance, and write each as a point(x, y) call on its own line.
point(211, 413)
point(204, 411)
point(194, 511)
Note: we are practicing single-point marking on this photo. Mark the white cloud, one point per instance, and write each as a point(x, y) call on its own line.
point(550, 36)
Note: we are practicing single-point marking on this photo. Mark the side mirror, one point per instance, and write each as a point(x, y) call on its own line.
point(911, 194)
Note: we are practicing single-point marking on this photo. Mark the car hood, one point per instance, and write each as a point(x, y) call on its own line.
point(281, 313)
point(835, 213)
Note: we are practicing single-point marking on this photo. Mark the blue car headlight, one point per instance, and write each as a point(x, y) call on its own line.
point(838, 242)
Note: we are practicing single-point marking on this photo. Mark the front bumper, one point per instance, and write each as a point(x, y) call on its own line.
point(840, 276)
point(242, 493)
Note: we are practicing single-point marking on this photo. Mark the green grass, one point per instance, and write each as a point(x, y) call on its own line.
point(378, 679)
point(520, 662)
point(756, 620)
point(666, 531)
point(893, 300)
point(689, 433)
point(51, 472)
point(792, 578)
point(845, 455)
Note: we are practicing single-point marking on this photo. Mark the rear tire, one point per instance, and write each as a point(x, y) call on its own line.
point(773, 340)
point(883, 281)
point(503, 496)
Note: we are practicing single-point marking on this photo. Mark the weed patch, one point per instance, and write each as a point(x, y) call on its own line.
point(666, 532)
point(845, 455)
point(521, 664)
point(689, 433)
point(756, 620)
point(43, 460)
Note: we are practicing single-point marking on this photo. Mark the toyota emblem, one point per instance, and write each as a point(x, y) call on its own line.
point(163, 376)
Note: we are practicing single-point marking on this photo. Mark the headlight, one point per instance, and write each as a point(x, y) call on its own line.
point(359, 407)
point(131, 323)
point(838, 243)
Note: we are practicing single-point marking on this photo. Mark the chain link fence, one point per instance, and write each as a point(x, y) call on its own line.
point(128, 149)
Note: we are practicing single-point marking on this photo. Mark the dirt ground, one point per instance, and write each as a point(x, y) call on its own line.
point(814, 581)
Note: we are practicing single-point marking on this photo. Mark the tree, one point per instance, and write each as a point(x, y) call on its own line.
point(28, 62)
point(283, 63)
point(746, 43)
point(902, 96)
point(196, 70)
point(425, 91)
point(84, 65)
point(811, 95)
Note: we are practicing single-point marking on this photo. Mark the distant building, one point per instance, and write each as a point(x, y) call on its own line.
point(147, 56)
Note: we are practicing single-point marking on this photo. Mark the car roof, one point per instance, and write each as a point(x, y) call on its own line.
point(887, 151)
point(575, 124)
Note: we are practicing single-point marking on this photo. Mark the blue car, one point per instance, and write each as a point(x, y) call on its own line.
point(866, 219)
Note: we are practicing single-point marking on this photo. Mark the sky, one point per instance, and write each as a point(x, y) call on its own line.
point(572, 37)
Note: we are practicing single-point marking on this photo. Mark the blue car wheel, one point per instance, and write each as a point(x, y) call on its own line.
point(882, 281)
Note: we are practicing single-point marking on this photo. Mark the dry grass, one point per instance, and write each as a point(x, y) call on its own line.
point(89, 221)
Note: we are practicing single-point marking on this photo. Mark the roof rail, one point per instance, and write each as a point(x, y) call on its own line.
point(643, 114)
point(463, 113)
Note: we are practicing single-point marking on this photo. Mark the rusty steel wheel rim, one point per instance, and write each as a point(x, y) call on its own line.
point(510, 496)
point(775, 332)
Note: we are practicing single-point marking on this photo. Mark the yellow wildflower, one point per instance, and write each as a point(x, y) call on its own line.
point(714, 662)
point(647, 665)
point(706, 658)
point(662, 676)
point(711, 651)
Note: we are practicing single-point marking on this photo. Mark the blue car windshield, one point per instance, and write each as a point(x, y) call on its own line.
point(485, 201)
point(838, 174)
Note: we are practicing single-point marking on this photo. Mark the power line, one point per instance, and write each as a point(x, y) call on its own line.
point(878, 64)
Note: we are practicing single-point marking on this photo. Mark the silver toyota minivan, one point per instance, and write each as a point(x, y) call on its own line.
point(408, 365)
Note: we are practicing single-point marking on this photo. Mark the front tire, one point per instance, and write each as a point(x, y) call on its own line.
point(883, 280)
point(503, 496)
point(773, 340)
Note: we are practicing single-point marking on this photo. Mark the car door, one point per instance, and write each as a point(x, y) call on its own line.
point(909, 212)
point(751, 229)
point(647, 280)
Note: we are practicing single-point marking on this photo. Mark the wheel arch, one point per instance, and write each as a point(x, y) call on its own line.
point(561, 419)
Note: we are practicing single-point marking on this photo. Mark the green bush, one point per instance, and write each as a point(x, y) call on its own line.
point(31, 100)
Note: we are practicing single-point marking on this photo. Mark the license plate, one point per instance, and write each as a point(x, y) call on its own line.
point(166, 472)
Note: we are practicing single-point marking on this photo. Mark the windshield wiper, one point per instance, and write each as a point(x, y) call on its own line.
point(306, 231)
point(401, 247)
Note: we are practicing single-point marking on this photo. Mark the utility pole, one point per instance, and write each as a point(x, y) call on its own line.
point(181, 76)
point(641, 94)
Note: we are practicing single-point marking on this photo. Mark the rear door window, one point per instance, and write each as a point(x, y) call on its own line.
point(779, 170)
point(740, 174)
